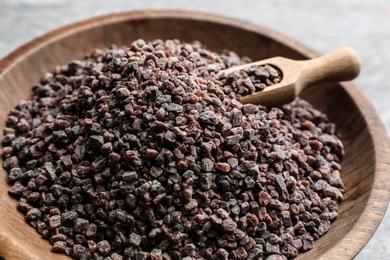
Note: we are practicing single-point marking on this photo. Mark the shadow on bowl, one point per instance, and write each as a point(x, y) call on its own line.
point(365, 167)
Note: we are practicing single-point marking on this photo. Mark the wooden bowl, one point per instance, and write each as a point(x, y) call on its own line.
point(365, 168)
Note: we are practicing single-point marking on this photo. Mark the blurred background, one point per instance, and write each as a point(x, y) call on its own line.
point(320, 25)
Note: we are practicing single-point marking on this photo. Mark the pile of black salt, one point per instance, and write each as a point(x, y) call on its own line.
point(142, 152)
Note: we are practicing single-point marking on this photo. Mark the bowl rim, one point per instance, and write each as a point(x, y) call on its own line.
point(379, 196)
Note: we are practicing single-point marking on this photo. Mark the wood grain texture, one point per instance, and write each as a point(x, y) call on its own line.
point(339, 65)
point(366, 170)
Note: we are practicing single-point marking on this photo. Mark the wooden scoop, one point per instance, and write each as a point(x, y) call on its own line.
point(340, 65)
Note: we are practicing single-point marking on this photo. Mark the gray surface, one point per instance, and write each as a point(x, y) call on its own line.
point(321, 25)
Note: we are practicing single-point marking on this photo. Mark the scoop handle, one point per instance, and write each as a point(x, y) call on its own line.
point(340, 65)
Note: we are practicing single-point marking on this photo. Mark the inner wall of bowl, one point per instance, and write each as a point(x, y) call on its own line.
point(331, 99)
